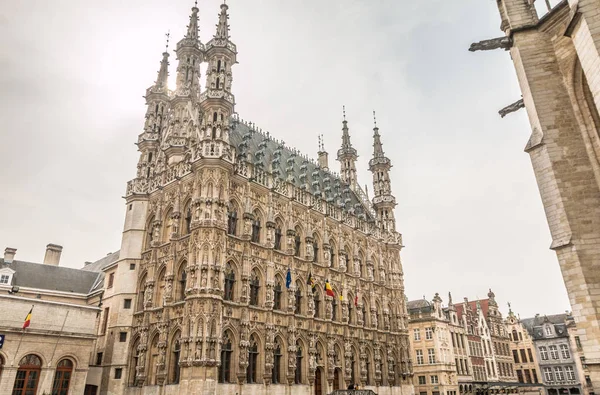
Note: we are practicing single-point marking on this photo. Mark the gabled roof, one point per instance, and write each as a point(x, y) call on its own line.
point(101, 263)
point(484, 303)
point(51, 278)
point(275, 156)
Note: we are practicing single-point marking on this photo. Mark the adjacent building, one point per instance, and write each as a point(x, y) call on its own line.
point(556, 359)
point(523, 350)
point(53, 353)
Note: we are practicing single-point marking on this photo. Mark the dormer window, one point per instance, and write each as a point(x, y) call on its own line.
point(4, 278)
point(548, 330)
point(6, 275)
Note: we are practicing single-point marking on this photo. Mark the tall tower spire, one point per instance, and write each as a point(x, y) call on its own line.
point(380, 165)
point(190, 53)
point(347, 155)
point(163, 72)
point(217, 102)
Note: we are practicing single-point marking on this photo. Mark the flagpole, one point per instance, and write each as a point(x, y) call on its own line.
point(21, 338)
point(59, 335)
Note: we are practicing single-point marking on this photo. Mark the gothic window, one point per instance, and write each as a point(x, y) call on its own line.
point(334, 307)
point(160, 289)
point(352, 369)
point(298, 372)
point(277, 357)
point(176, 352)
point(232, 222)
point(315, 248)
point(218, 65)
point(332, 256)
point(225, 367)
point(214, 133)
point(298, 296)
point(28, 375)
point(218, 83)
point(133, 362)
point(368, 370)
point(141, 293)
point(215, 116)
point(277, 295)
point(181, 282)
point(252, 362)
point(317, 305)
point(278, 238)
point(62, 377)
point(229, 282)
point(256, 230)
point(254, 289)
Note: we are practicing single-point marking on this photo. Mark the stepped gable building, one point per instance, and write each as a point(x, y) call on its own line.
point(556, 57)
point(217, 216)
point(523, 350)
point(52, 355)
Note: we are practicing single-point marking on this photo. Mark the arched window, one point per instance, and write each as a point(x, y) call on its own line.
point(332, 256)
point(334, 307)
point(254, 288)
point(218, 66)
point(215, 116)
point(351, 318)
point(1, 365)
point(152, 359)
point(317, 305)
point(277, 291)
point(62, 377)
point(175, 370)
point(229, 282)
point(298, 297)
point(28, 375)
point(277, 357)
point(278, 236)
point(133, 363)
point(297, 245)
point(187, 219)
point(256, 228)
point(226, 354)
point(232, 221)
point(181, 282)
point(141, 293)
point(251, 371)
point(218, 82)
point(298, 372)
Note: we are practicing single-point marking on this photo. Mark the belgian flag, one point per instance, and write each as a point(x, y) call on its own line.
point(28, 319)
point(328, 289)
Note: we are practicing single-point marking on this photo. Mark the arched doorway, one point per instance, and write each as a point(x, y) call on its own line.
point(319, 381)
point(337, 379)
point(28, 375)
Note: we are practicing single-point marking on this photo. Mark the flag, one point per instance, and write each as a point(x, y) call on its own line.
point(311, 281)
point(341, 297)
point(28, 318)
point(328, 289)
point(288, 278)
point(356, 299)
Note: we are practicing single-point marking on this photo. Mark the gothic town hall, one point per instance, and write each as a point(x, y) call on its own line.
point(253, 269)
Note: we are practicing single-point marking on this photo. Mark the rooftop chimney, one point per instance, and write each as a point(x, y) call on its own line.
point(52, 256)
point(9, 254)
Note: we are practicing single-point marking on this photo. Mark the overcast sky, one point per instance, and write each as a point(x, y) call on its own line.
point(72, 76)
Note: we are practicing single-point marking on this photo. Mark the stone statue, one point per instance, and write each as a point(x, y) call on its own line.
point(357, 267)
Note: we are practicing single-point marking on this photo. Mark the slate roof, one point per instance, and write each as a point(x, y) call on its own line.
point(100, 264)
point(420, 304)
point(484, 303)
point(275, 157)
point(535, 324)
point(52, 278)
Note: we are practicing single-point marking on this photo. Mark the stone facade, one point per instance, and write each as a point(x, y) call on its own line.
point(523, 351)
point(557, 59)
point(251, 268)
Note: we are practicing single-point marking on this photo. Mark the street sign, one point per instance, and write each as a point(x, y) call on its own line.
point(1, 340)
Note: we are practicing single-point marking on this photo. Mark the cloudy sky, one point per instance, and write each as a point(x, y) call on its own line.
point(72, 76)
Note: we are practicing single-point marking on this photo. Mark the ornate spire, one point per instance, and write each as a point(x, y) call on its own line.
point(163, 73)
point(193, 28)
point(223, 27)
point(190, 53)
point(377, 146)
point(347, 155)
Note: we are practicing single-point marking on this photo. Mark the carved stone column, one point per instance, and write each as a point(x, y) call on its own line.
point(377, 358)
point(269, 357)
point(291, 354)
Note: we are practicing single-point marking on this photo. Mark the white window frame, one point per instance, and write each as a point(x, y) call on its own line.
point(428, 333)
point(570, 373)
point(431, 355)
point(554, 352)
point(564, 351)
point(4, 278)
point(417, 334)
point(548, 376)
point(544, 353)
point(434, 380)
point(548, 330)
point(559, 373)
point(419, 358)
